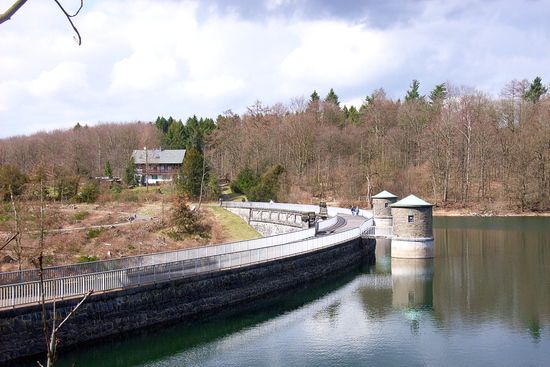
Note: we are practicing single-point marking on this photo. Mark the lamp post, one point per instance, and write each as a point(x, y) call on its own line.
point(146, 169)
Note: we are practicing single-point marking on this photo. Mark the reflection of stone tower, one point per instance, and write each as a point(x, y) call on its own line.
point(412, 283)
point(382, 212)
point(412, 229)
point(382, 253)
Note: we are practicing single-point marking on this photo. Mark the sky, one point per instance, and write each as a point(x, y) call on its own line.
point(143, 58)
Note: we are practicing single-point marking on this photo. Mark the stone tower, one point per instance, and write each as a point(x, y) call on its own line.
point(381, 204)
point(412, 229)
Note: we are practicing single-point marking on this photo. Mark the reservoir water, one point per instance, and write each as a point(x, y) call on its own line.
point(484, 300)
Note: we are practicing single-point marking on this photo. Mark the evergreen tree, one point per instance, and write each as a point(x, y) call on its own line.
point(186, 221)
point(345, 111)
point(354, 117)
point(332, 98)
point(413, 94)
point(314, 97)
point(11, 179)
point(213, 190)
point(197, 130)
point(189, 181)
point(246, 180)
point(130, 172)
point(176, 136)
point(162, 124)
point(268, 187)
point(535, 91)
point(107, 170)
point(439, 93)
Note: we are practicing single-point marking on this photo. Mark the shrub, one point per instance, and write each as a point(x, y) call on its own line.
point(81, 215)
point(11, 177)
point(93, 233)
point(245, 181)
point(116, 188)
point(268, 186)
point(86, 258)
point(128, 196)
point(186, 221)
point(89, 192)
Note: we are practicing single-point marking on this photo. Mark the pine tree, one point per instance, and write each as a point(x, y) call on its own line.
point(130, 173)
point(439, 93)
point(108, 172)
point(332, 98)
point(175, 136)
point(189, 181)
point(314, 97)
point(535, 91)
point(354, 116)
point(268, 187)
point(413, 93)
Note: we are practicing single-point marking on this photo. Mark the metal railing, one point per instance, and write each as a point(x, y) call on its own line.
point(325, 224)
point(302, 208)
point(151, 259)
point(66, 287)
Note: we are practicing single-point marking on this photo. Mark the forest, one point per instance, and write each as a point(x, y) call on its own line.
point(457, 147)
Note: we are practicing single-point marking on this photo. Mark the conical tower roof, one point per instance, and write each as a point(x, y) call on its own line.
point(384, 195)
point(411, 201)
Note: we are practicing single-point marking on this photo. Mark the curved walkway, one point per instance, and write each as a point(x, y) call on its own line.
point(78, 279)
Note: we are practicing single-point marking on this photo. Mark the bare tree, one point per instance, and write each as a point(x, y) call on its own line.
point(14, 8)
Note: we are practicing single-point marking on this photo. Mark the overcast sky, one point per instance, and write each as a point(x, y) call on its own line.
point(140, 59)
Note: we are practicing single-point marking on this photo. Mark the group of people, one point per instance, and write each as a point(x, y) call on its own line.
point(354, 210)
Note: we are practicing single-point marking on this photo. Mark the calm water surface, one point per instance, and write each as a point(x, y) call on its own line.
point(483, 301)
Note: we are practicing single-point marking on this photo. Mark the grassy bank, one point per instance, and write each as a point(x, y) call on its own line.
point(235, 229)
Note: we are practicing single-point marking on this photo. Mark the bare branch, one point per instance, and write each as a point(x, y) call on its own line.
point(9, 240)
point(12, 10)
point(73, 310)
point(78, 11)
point(78, 39)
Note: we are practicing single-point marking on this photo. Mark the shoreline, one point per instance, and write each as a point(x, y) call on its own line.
point(470, 213)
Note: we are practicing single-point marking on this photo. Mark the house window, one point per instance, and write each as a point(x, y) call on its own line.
point(410, 218)
point(154, 177)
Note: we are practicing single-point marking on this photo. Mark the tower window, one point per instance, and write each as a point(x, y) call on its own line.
point(385, 205)
point(410, 218)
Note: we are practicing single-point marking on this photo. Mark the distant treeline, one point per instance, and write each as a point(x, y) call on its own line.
point(455, 146)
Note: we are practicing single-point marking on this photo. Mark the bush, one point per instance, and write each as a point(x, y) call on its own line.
point(81, 215)
point(268, 186)
point(11, 177)
point(89, 192)
point(116, 188)
point(186, 221)
point(128, 196)
point(245, 181)
point(86, 258)
point(93, 233)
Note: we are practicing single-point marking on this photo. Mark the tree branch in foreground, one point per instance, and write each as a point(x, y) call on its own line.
point(11, 11)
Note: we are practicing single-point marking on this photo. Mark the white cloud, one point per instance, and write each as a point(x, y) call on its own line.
point(335, 52)
point(143, 58)
point(142, 71)
point(214, 87)
point(67, 77)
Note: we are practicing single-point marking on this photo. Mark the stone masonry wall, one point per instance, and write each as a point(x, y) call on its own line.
point(420, 228)
point(270, 223)
point(111, 313)
point(379, 209)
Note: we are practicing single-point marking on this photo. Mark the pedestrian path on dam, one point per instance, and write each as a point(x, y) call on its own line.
point(71, 281)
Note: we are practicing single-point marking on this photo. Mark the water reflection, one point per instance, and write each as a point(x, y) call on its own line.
point(493, 268)
point(412, 283)
point(483, 300)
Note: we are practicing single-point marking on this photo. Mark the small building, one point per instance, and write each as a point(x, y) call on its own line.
point(382, 212)
point(412, 228)
point(155, 166)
